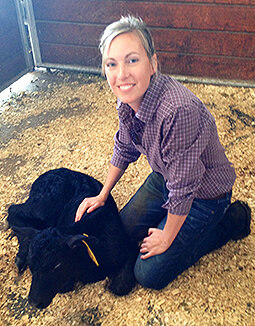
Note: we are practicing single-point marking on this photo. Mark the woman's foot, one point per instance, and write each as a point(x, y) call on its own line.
point(239, 215)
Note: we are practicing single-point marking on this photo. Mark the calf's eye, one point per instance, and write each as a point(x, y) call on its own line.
point(57, 266)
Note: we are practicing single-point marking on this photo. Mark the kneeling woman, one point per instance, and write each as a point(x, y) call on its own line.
point(179, 211)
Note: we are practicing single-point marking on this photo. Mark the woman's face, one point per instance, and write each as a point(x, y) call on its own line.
point(128, 69)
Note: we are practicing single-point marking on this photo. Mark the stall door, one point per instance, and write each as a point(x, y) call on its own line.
point(15, 54)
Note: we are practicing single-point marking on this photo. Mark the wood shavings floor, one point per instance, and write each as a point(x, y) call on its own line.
point(69, 120)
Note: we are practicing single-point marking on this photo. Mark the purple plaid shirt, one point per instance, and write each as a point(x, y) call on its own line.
point(179, 137)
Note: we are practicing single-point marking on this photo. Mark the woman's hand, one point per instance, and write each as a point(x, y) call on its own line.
point(156, 243)
point(92, 203)
point(89, 205)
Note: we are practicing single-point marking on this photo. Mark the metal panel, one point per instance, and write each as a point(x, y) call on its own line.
point(15, 53)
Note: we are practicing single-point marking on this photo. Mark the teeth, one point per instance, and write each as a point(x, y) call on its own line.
point(124, 87)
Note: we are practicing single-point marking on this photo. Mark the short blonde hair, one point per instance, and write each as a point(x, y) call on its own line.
point(129, 24)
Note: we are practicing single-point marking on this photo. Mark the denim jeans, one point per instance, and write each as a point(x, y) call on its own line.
point(203, 231)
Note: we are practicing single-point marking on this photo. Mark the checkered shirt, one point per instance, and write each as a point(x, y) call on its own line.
point(178, 135)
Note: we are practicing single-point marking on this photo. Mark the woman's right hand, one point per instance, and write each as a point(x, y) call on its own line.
point(89, 205)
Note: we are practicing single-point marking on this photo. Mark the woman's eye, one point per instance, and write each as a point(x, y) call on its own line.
point(110, 64)
point(133, 60)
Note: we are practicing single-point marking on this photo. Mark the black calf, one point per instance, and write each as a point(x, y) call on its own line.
point(60, 252)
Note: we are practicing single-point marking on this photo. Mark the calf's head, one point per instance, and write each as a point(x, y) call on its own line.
point(53, 259)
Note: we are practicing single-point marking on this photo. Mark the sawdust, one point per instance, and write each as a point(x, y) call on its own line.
point(71, 124)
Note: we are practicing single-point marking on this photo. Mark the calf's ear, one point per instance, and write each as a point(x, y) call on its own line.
point(17, 215)
point(26, 233)
point(77, 240)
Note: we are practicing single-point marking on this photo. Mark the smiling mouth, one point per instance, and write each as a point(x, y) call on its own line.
point(125, 87)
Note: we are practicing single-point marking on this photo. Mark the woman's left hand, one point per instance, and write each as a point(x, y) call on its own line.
point(156, 243)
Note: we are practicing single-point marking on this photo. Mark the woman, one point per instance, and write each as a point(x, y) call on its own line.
point(178, 213)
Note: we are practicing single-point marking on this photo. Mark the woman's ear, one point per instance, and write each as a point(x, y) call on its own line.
point(154, 63)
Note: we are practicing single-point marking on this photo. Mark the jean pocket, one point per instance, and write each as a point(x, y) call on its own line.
point(207, 207)
point(199, 218)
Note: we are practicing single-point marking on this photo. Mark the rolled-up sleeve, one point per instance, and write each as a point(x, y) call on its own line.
point(186, 137)
point(124, 151)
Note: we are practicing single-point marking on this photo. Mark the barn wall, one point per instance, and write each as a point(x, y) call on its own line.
point(12, 60)
point(200, 38)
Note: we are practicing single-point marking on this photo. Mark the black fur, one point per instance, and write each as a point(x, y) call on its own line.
point(51, 243)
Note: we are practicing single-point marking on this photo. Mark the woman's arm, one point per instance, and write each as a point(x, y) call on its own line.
point(158, 241)
point(92, 203)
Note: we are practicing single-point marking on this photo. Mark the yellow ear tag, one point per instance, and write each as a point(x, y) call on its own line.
point(90, 252)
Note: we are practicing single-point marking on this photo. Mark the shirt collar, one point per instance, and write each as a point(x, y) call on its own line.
point(150, 100)
point(125, 112)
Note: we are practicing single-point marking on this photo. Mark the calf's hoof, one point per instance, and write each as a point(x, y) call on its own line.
point(120, 286)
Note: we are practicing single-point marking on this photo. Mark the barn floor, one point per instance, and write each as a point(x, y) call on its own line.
point(69, 120)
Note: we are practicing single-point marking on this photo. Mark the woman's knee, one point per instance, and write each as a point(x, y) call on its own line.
point(149, 273)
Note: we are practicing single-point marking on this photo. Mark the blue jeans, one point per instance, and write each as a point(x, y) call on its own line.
point(203, 231)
